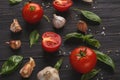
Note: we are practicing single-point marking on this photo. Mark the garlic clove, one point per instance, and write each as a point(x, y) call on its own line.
point(89, 1)
point(82, 26)
point(15, 26)
point(27, 69)
point(58, 21)
point(14, 44)
point(48, 73)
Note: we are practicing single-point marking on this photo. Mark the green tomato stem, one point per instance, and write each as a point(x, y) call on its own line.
point(58, 64)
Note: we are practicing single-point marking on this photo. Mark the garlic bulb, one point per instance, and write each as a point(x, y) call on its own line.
point(82, 26)
point(15, 26)
point(27, 69)
point(58, 21)
point(14, 44)
point(48, 73)
point(89, 1)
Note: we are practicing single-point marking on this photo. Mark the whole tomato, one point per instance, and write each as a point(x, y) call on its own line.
point(62, 5)
point(83, 59)
point(51, 41)
point(32, 12)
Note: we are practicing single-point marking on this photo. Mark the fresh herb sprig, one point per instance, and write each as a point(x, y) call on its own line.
point(86, 38)
point(14, 2)
point(105, 59)
point(34, 37)
point(11, 64)
point(90, 75)
point(89, 15)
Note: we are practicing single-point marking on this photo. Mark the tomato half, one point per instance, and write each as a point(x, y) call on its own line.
point(83, 59)
point(51, 41)
point(62, 5)
point(32, 12)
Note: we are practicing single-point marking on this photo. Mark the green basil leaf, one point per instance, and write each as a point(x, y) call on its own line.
point(91, 16)
point(90, 75)
point(13, 2)
point(73, 35)
point(93, 42)
point(34, 37)
point(58, 64)
point(105, 59)
point(86, 38)
point(11, 64)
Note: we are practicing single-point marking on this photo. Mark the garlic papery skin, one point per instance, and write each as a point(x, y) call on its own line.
point(82, 26)
point(89, 1)
point(48, 73)
point(27, 69)
point(58, 21)
point(15, 26)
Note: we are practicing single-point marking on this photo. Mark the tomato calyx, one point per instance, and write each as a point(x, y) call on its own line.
point(81, 54)
point(32, 8)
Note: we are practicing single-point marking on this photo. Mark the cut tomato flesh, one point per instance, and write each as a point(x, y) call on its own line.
point(61, 2)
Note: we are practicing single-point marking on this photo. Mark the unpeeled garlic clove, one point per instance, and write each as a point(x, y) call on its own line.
point(14, 44)
point(89, 1)
point(48, 73)
point(27, 69)
point(82, 26)
point(15, 26)
point(58, 21)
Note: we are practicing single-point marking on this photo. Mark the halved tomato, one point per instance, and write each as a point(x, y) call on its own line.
point(51, 41)
point(62, 5)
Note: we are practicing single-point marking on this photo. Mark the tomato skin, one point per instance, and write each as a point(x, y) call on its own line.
point(32, 16)
point(84, 64)
point(64, 7)
point(51, 41)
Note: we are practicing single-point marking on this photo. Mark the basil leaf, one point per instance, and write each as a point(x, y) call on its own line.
point(73, 35)
point(34, 36)
point(11, 64)
point(58, 64)
point(105, 59)
point(13, 2)
point(93, 42)
point(90, 75)
point(91, 16)
point(86, 38)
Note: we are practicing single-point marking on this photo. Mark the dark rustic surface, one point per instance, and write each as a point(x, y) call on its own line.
point(108, 10)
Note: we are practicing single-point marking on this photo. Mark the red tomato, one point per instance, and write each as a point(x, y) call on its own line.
point(32, 12)
point(83, 59)
point(62, 5)
point(51, 41)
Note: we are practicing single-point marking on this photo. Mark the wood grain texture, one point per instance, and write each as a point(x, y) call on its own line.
point(108, 10)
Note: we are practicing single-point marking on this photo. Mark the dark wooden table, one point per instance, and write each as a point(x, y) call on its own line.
point(108, 33)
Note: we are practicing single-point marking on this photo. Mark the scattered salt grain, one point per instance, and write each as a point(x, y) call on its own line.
point(43, 4)
point(66, 66)
point(109, 51)
point(47, 6)
point(103, 33)
point(69, 52)
point(76, 15)
point(97, 79)
point(89, 29)
point(94, 7)
point(103, 28)
point(116, 51)
point(117, 54)
point(102, 78)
